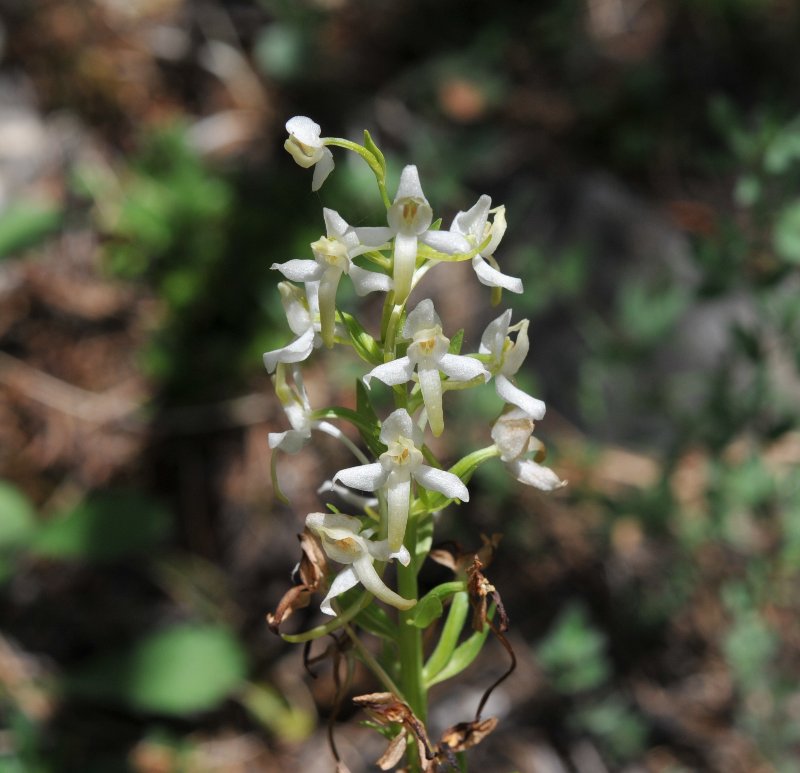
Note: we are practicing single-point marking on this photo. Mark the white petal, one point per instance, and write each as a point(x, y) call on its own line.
point(322, 169)
point(374, 236)
point(365, 570)
point(343, 581)
point(306, 130)
point(495, 334)
point(498, 230)
point(392, 373)
point(365, 477)
point(399, 424)
point(430, 384)
point(491, 277)
point(516, 355)
point(532, 474)
point(295, 351)
point(445, 241)
point(289, 442)
point(534, 407)
point(398, 497)
point(422, 317)
point(335, 224)
point(327, 304)
point(442, 481)
point(300, 270)
point(409, 186)
point(405, 261)
point(474, 219)
point(461, 368)
point(369, 281)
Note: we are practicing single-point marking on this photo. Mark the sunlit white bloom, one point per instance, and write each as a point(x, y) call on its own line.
point(296, 406)
point(302, 314)
point(307, 149)
point(343, 541)
point(507, 357)
point(512, 436)
point(475, 226)
point(401, 462)
point(428, 353)
point(333, 255)
point(410, 217)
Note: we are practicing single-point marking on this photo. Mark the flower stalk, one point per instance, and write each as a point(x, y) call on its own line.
point(379, 543)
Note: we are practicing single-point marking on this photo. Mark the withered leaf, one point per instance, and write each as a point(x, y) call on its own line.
point(465, 735)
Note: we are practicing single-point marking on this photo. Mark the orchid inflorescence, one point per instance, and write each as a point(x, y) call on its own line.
point(398, 484)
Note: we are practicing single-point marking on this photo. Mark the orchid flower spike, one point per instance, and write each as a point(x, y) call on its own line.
point(302, 314)
point(475, 226)
point(428, 353)
point(409, 219)
point(506, 358)
point(333, 255)
point(343, 541)
point(512, 434)
point(308, 149)
point(401, 462)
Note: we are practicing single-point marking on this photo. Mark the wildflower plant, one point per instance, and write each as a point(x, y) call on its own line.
point(393, 493)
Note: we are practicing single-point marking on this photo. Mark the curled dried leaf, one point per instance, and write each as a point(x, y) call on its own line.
point(312, 571)
point(480, 590)
point(385, 708)
point(465, 735)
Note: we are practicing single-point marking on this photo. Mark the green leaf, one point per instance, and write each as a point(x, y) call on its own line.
point(182, 670)
point(370, 145)
point(25, 224)
point(367, 412)
point(456, 342)
point(17, 516)
point(463, 655)
point(363, 343)
point(104, 527)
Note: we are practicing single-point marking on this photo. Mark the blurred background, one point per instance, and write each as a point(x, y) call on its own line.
point(648, 154)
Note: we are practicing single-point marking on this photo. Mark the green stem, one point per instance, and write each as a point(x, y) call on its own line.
point(410, 644)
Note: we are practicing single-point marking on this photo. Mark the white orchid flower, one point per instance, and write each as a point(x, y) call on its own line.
point(296, 406)
point(474, 225)
point(342, 541)
point(333, 255)
point(428, 353)
point(401, 462)
point(302, 314)
point(512, 434)
point(507, 357)
point(409, 218)
point(307, 149)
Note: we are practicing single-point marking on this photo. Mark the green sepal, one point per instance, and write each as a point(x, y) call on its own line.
point(364, 344)
point(375, 620)
point(456, 342)
point(436, 225)
point(463, 655)
point(370, 145)
point(430, 606)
